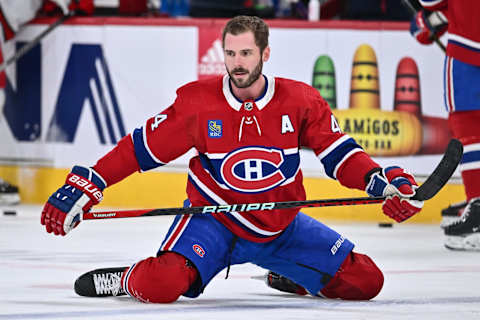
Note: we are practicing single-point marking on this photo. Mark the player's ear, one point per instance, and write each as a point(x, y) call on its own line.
point(266, 54)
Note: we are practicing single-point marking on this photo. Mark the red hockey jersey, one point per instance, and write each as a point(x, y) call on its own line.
point(463, 27)
point(248, 151)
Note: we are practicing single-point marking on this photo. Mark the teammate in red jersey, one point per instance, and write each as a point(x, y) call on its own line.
point(247, 129)
point(462, 101)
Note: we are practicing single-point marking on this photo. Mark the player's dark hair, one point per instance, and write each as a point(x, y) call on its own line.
point(241, 24)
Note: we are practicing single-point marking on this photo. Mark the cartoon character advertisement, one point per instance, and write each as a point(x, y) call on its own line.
point(403, 131)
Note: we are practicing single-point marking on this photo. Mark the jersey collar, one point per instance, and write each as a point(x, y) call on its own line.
point(261, 102)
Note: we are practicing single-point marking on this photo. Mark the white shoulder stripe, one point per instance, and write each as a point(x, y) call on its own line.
point(333, 146)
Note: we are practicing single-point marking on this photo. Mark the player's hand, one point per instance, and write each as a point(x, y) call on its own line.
point(424, 28)
point(398, 186)
point(63, 210)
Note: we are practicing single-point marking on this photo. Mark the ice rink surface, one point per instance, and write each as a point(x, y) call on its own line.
point(423, 280)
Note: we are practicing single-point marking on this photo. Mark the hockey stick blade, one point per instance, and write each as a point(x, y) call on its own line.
point(427, 190)
point(442, 173)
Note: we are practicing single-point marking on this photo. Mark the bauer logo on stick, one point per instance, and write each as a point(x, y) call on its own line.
point(239, 207)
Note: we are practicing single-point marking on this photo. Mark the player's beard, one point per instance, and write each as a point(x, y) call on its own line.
point(254, 75)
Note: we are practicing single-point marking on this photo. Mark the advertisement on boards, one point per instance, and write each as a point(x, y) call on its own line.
point(71, 98)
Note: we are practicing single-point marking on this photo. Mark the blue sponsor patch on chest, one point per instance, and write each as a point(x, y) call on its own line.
point(215, 128)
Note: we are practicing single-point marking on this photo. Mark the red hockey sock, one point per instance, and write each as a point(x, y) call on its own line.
point(357, 279)
point(159, 280)
point(464, 126)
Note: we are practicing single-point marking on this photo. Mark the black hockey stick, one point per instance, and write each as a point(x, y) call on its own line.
point(426, 191)
point(414, 11)
point(28, 46)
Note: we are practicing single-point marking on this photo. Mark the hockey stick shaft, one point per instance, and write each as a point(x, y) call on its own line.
point(28, 46)
point(427, 190)
point(410, 7)
point(263, 206)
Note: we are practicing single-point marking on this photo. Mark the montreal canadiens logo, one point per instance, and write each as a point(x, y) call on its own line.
point(198, 250)
point(253, 169)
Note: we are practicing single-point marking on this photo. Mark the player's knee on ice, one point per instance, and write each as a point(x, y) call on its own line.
point(161, 279)
point(358, 278)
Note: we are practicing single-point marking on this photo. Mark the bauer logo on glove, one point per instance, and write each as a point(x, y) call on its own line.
point(398, 186)
point(63, 210)
point(85, 185)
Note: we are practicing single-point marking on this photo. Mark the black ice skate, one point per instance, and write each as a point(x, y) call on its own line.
point(464, 234)
point(8, 193)
point(452, 213)
point(100, 283)
point(276, 281)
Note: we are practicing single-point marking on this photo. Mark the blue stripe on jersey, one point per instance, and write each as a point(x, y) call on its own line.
point(170, 230)
point(207, 164)
point(337, 155)
point(145, 160)
point(229, 215)
point(470, 157)
point(465, 95)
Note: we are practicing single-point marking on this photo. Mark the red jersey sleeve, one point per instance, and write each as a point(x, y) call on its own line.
point(163, 138)
point(342, 158)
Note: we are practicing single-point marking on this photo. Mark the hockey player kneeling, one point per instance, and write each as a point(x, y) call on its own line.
point(248, 129)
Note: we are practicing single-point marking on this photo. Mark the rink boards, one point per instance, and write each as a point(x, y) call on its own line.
point(93, 80)
point(167, 189)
